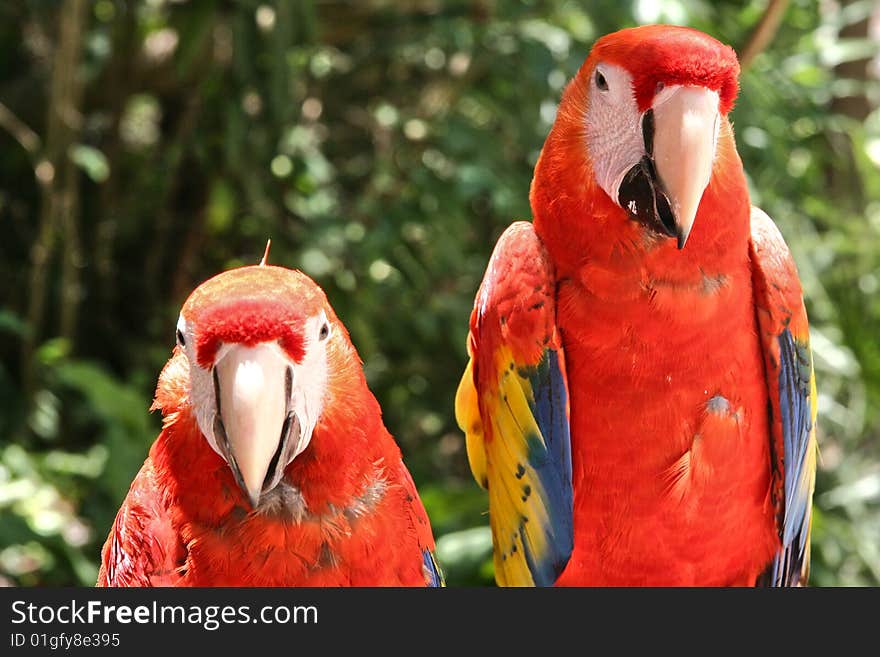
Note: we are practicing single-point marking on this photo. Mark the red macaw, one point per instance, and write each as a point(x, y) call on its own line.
point(273, 467)
point(640, 400)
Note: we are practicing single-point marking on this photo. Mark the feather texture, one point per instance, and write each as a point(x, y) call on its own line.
point(346, 511)
point(792, 388)
point(512, 404)
point(671, 356)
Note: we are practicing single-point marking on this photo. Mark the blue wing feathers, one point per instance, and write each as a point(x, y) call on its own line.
point(433, 577)
point(794, 404)
point(552, 464)
point(795, 371)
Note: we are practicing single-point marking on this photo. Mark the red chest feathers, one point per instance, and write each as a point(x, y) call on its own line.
point(301, 547)
point(365, 538)
point(670, 454)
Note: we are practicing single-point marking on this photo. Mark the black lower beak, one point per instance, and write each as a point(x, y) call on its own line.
point(282, 454)
point(642, 195)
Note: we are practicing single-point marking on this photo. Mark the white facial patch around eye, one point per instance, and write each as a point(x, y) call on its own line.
point(325, 328)
point(614, 137)
point(310, 377)
point(201, 387)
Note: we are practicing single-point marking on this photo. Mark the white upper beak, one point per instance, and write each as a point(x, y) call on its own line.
point(686, 121)
point(252, 398)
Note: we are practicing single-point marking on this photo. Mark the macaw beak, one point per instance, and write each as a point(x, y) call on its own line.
point(685, 136)
point(680, 132)
point(254, 421)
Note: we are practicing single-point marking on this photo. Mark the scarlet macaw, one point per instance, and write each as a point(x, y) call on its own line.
point(640, 400)
point(273, 467)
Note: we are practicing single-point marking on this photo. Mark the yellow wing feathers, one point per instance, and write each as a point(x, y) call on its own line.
point(512, 405)
point(516, 495)
point(528, 477)
point(467, 414)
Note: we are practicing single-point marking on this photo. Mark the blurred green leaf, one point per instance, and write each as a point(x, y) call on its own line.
point(92, 161)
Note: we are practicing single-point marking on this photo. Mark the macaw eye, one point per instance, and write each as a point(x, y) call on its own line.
point(180, 340)
point(324, 332)
point(601, 82)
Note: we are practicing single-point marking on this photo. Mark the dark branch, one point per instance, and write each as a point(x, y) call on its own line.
point(763, 33)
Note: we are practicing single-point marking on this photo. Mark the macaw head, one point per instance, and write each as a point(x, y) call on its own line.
point(261, 342)
point(640, 125)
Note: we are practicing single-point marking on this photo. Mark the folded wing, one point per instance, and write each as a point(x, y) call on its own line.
point(512, 404)
point(782, 320)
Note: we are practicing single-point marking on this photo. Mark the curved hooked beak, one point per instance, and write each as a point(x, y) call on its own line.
point(254, 420)
point(685, 134)
point(680, 133)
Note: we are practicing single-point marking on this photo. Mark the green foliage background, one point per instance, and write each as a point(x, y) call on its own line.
point(383, 146)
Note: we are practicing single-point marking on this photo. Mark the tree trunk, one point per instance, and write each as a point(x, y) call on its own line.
point(856, 105)
point(844, 181)
point(58, 178)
